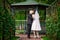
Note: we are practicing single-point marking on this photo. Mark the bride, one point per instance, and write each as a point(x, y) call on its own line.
point(36, 24)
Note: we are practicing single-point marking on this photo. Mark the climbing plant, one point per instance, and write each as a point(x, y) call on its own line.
point(7, 23)
point(58, 33)
point(16, 1)
point(51, 27)
point(1, 22)
point(52, 23)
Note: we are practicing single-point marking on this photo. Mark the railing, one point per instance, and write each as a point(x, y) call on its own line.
point(20, 24)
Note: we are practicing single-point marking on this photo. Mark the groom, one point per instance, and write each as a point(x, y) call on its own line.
point(29, 22)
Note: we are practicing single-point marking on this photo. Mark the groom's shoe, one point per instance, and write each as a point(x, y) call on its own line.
point(28, 37)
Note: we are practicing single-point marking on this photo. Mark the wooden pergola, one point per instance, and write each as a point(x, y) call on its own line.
point(30, 4)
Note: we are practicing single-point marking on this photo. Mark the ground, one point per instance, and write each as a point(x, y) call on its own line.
point(24, 37)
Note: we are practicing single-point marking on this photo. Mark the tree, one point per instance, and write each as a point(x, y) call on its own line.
point(7, 23)
point(15, 1)
point(45, 1)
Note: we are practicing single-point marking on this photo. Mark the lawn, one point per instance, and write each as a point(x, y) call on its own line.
point(15, 38)
point(45, 38)
point(19, 31)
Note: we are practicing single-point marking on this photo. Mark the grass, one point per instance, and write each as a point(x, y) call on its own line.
point(45, 38)
point(19, 31)
point(15, 38)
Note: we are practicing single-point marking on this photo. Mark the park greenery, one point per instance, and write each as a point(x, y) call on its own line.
point(7, 20)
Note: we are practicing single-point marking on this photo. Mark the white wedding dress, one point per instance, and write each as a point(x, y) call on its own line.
point(36, 23)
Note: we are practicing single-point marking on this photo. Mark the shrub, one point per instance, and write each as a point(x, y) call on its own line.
point(51, 27)
point(7, 24)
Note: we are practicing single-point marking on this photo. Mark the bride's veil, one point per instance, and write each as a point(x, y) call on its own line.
point(36, 14)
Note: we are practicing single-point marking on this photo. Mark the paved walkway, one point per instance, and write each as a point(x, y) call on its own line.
point(24, 37)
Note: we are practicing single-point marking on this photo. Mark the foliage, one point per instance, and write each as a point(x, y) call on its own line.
point(45, 38)
point(15, 38)
point(1, 23)
point(45, 1)
point(20, 15)
point(52, 23)
point(42, 1)
point(51, 27)
point(58, 33)
point(7, 24)
point(16, 1)
point(50, 1)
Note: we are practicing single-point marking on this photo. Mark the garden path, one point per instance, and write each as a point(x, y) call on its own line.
point(24, 37)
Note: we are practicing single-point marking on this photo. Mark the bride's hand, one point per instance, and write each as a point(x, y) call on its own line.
point(32, 15)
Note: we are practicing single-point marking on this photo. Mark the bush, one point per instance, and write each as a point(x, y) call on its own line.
point(52, 25)
point(58, 33)
point(7, 23)
point(45, 38)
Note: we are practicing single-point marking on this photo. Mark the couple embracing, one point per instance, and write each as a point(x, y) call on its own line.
point(33, 23)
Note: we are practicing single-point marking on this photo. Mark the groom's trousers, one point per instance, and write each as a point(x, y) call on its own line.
point(28, 30)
